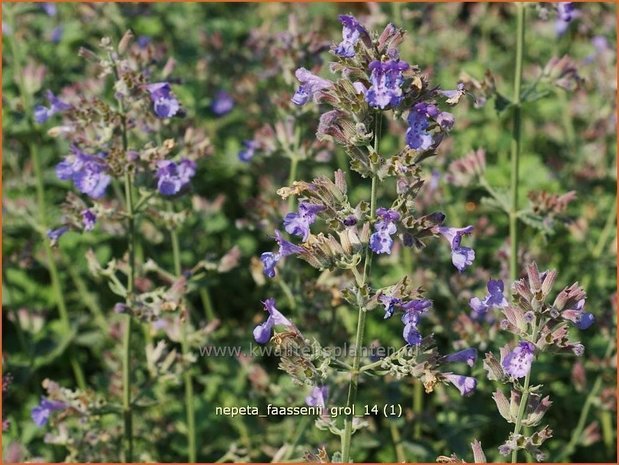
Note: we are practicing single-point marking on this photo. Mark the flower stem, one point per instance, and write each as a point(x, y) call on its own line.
point(188, 380)
point(397, 442)
point(126, 349)
point(525, 394)
point(18, 74)
point(521, 409)
point(516, 143)
point(127, 412)
point(207, 303)
point(354, 376)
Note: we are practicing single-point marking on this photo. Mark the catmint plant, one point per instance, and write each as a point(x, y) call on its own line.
point(120, 143)
point(371, 83)
point(539, 325)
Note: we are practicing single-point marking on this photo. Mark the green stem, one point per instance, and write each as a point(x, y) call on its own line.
point(189, 406)
point(126, 350)
point(354, 376)
point(207, 303)
point(521, 409)
point(397, 442)
point(525, 394)
point(127, 405)
point(568, 450)
point(516, 144)
point(41, 204)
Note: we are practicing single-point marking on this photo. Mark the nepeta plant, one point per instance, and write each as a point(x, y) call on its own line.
point(116, 144)
point(372, 83)
point(537, 325)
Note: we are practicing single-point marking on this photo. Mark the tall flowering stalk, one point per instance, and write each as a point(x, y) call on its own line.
point(55, 105)
point(539, 326)
point(374, 82)
point(188, 378)
point(110, 144)
point(126, 350)
point(516, 141)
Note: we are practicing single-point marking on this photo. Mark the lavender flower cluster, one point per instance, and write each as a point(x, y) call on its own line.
point(95, 159)
point(372, 80)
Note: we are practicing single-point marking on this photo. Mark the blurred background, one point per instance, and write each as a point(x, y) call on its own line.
point(247, 54)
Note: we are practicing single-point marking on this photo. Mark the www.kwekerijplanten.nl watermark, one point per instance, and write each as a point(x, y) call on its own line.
point(345, 350)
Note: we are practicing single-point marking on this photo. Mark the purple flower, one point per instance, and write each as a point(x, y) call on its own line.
point(298, 224)
point(350, 220)
point(352, 31)
point(454, 96)
point(120, 307)
point(56, 35)
point(222, 103)
point(310, 88)
point(386, 78)
point(165, 104)
point(600, 43)
point(465, 384)
point(445, 120)
point(417, 135)
point(390, 304)
point(318, 396)
point(517, 363)
point(143, 41)
point(88, 172)
point(42, 113)
point(172, 177)
point(468, 356)
point(494, 299)
point(49, 8)
point(249, 150)
point(262, 332)
point(359, 88)
point(480, 308)
point(565, 11)
point(270, 259)
point(54, 235)
point(40, 414)
point(88, 219)
point(565, 14)
point(585, 321)
point(286, 247)
point(461, 256)
point(581, 319)
point(381, 241)
point(413, 310)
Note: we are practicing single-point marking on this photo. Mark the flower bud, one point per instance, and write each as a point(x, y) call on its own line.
point(503, 406)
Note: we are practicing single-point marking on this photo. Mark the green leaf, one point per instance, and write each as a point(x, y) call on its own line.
point(535, 221)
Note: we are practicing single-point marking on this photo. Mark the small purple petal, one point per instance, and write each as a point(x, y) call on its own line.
point(269, 261)
point(318, 396)
point(88, 219)
point(465, 384)
point(468, 356)
point(517, 363)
